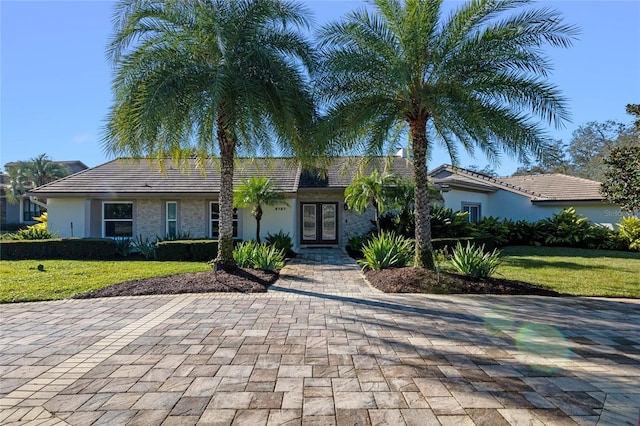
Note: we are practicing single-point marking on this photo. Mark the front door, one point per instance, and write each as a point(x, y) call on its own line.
point(319, 223)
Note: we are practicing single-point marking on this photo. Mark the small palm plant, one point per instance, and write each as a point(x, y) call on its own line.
point(257, 192)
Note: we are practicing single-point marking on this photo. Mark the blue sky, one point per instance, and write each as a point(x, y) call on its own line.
point(56, 82)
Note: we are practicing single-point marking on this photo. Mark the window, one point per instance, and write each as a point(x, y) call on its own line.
point(117, 219)
point(215, 221)
point(473, 209)
point(172, 219)
point(30, 210)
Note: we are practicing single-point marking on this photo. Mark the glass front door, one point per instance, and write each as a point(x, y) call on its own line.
point(319, 223)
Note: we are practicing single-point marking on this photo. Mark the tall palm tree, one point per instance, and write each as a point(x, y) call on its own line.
point(24, 175)
point(475, 77)
point(210, 76)
point(372, 190)
point(257, 192)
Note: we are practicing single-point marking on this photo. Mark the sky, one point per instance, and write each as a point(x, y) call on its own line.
point(55, 80)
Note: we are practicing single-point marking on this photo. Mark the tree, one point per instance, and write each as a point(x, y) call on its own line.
point(257, 192)
point(206, 77)
point(621, 184)
point(592, 142)
point(474, 78)
point(552, 159)
point(372, 190)
point(24, 175)
point(634, 109)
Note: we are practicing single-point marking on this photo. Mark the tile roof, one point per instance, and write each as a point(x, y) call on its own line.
point(142, 177)
point(539, 188)
point(557, 187)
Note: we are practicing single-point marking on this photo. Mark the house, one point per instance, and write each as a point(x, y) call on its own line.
point(26, 207)
point(127, 198)
point(530, 197)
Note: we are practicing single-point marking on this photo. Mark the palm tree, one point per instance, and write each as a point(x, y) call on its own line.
point(24, 175)
point(206, 76)
point(257, 192)
point(372, 190)
point(474, 77)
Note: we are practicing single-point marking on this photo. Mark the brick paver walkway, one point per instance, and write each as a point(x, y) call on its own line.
point(321, 348)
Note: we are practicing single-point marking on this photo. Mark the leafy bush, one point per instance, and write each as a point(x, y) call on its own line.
point(400, 225)
point(31, 233)
point(123, 246)
point(187, 250)
point(387, 250)
point(566, 229)
point(490, 226)
point(281, 241)
point(601, 237)
point(474, 262)
point(186, 235)
point(145, 246)
point(447, 224)
point(268, 258)
point(450, 243)
point(244, 253)
point(629, 228)
point(258, 256)
point(525, 233)
point(57, 248)
point(355, 244)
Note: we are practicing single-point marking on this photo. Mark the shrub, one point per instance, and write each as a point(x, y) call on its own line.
point(268, 258)
point(473, 261)
point(186, 235)
point(447, 224)
point(566, 229)
point(145, 246)
point(355, 244)
point(629, 228)
point(31, 233)
point(187, 250)
point(258, 256)
point(400, 225)
point(601, 237)
point(281, 241)
point(244, 253)
point(68, 248)
point(525, 233)
point(490, 226)
point(123, 246)
point(387, 250)
point(450, 243)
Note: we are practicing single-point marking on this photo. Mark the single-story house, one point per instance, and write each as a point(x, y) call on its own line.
point(529, 197)
point(26, 207)
point(128, 198)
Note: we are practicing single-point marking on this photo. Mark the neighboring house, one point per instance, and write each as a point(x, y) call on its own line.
point(530, 197)
point(26, 208)
point(128, 198)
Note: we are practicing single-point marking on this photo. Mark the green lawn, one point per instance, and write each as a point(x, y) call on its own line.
point(577, 272)
point(21, 281)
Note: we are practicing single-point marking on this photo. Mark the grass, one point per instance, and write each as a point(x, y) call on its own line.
point(576, 272)
point(21, 281)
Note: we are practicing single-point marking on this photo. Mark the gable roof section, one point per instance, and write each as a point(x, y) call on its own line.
point(538, 188)
point(128, 177)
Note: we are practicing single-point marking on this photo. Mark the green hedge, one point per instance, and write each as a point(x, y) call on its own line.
point(440, 243)
point(58, 248)
point(187, 250)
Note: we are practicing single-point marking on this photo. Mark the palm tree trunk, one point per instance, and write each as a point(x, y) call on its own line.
point(424, 250)
point(225, 240)
point(258, 211)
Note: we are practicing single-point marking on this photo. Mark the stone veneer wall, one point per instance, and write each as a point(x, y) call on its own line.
point(148, 214)
point(192, 217)
point(355, 224)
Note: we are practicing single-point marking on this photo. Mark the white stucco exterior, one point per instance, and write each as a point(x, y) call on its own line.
point(274, 219)
point(67, 217)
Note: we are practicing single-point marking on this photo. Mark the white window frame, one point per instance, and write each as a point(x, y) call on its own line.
point(471, 205)
point(235, 220)
point(167, 220)
point(104, 221)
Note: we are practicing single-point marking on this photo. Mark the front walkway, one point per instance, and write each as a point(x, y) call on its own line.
point(323, 349)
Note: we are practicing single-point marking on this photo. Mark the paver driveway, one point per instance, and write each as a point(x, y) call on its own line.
point(321, 348)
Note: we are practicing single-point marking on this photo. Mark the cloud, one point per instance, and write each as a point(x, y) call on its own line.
point(83, 138)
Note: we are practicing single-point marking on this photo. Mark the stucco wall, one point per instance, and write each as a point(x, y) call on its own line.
point(62, 212)
point(504, 204)
point(274, 219)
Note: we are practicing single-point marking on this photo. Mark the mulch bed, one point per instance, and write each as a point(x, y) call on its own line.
point(412, 280)
point(240, 280)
